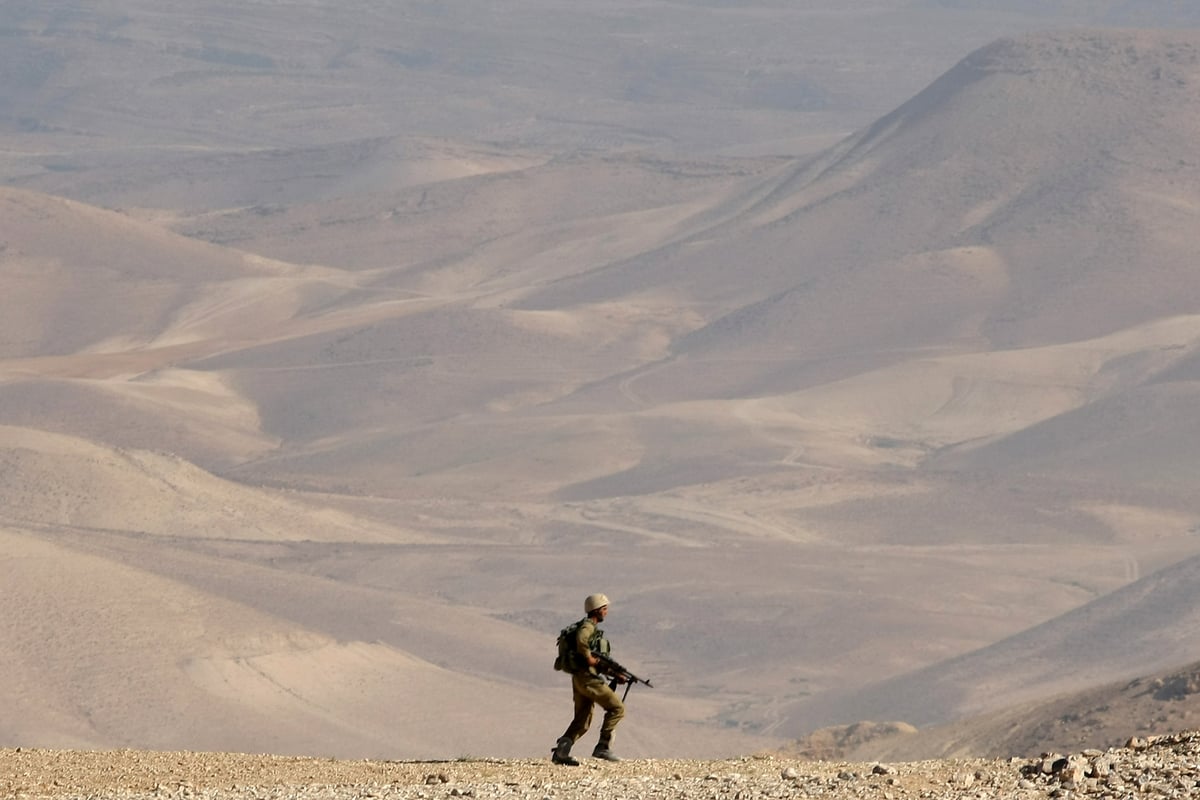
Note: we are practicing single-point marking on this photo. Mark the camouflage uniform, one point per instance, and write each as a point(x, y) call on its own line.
point(589, 688)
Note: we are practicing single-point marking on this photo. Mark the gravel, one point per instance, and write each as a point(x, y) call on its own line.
point(1157, 767)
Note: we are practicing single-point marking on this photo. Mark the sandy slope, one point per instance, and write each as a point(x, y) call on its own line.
point(818, 424)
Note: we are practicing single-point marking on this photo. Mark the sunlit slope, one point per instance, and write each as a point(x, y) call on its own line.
point(78, 277)
point(987, 212)
point(53, 480)
point(952, 410)
point(103, 310)
point(1100, 717)
point(83, 279)
point(1094, 405)
point(1034, 200)
point(101, 653)
point(1042, 191)
point(1145, 627)
point(872, 410)
point(121, 640)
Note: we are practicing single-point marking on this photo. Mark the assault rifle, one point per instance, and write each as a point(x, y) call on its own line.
point(618, 674)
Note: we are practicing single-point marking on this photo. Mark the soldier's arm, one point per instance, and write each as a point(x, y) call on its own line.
point(583, 638)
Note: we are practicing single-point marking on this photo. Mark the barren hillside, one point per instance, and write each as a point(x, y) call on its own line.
point(1100, 716)
point(367, 345)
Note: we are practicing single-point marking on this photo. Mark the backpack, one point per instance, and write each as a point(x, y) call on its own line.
point(568, 659)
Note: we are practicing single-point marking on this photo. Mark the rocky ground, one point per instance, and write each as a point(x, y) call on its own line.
point(1159, 766)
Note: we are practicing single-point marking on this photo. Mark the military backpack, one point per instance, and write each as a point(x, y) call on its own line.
point(569, 658)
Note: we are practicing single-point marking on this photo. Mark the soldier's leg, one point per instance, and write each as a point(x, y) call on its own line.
point(583, 710)
point(614, 712)
point(597, 691)
point(578, 727)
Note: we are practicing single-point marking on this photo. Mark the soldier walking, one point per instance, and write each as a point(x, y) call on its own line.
point(587, 685)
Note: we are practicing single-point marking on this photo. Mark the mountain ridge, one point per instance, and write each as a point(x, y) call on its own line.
point(827, 430)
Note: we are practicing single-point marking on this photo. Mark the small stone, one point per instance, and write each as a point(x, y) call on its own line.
point(1072, 774)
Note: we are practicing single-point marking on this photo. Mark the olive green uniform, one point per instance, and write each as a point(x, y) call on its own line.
point(589, 688)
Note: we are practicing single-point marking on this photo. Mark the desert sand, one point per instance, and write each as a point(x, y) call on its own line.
point(343, 354)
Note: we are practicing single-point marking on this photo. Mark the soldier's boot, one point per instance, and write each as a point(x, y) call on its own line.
point(562, 753)
point(604, 751)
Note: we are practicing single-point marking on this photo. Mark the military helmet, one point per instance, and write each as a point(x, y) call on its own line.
point(593, 602)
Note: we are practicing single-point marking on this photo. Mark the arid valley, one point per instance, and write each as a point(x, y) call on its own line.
point(852, 349)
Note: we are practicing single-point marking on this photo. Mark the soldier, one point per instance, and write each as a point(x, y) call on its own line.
point(588, 687)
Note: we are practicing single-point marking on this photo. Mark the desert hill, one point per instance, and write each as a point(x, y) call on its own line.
point(1012, 203)
point(97, 281)
point(1100, 717)
point(59, 255)
point(773, 364)
point(319, 461)
point(58, 481)
point(1108, 639)
point(102, 307)
point(1156, 702)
